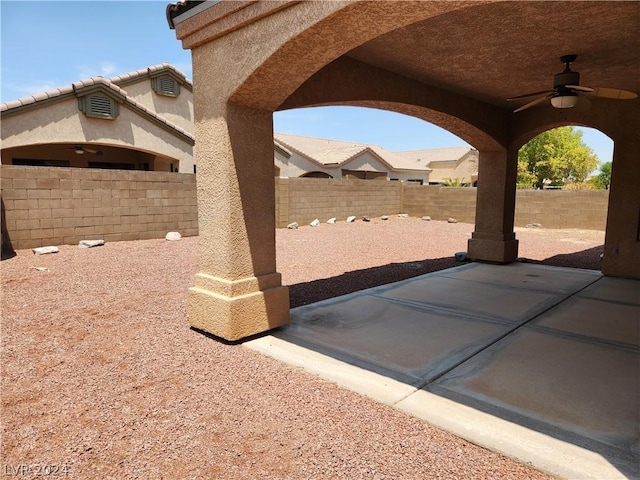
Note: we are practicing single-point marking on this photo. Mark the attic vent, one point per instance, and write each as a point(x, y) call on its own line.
point(98, 106)
point(165, 85)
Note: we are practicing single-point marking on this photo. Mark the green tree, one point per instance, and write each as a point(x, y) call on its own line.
point(556, 157)
point(603, 180)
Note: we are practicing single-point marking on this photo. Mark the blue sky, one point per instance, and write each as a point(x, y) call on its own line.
point(49, 44)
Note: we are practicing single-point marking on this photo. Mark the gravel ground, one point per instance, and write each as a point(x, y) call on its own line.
point(102, 378)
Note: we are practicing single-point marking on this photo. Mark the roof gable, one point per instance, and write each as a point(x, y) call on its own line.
point(327, 152)
point(86, 87)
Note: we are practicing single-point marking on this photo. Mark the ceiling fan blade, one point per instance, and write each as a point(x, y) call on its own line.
point(580, 88)
point(89, 150)
point(615, 93)
point(533, 103)
point(529, 95)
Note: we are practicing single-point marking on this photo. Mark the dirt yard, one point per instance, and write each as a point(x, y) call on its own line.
point(102, 378)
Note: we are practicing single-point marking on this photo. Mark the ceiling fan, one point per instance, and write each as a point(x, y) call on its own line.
point(567, 91)
point(80, 150)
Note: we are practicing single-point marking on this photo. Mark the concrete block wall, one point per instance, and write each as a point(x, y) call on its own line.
point(440, 203)
point(53, 206)
point(304, 199)
point(586, 209)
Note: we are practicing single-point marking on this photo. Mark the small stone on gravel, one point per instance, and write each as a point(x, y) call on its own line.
point(315, 223)
point(173, 236)
point(90, 243)
point(45, 250)
point(293, 226)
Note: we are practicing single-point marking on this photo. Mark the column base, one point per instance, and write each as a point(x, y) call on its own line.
point(234, 317)
point(492, 250)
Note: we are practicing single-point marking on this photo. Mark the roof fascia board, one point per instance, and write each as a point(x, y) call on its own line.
point(225, 18)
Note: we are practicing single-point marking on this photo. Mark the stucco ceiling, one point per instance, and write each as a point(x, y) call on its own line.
point(475, 52)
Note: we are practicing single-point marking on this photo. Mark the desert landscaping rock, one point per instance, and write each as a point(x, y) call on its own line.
point(293, 226)
point(90, 243)
point(452, 220)
point(384, 217)
point(460, 256)
point(332, 221)
point(100, 370)
point(533, 225)
point(315, 223)
point(45, 250)
point(173, 236)
point(426, 218)
point(403, 215)
point(351, 219)
point(366, 219)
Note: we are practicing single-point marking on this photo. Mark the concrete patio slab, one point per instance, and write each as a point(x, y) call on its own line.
point(359, 328)
point(539, 363)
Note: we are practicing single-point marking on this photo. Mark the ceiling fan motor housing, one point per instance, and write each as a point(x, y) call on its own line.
point(566, 78)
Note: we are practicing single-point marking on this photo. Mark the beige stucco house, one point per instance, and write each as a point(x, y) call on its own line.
point(142, 120)
point(459, 163)
point(301, 156)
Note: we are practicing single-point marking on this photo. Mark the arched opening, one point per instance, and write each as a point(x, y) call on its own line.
point(562, 191)
point(315, 175)
point(88, 155)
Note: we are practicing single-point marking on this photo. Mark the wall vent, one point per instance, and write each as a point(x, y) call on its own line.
point(98, 106)
point(165, 85)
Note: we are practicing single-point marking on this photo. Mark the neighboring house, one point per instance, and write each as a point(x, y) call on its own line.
point(448, 163)
point(300, 156)
point(142, 120)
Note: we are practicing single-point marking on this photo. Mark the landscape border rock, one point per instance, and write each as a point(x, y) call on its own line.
point(45, 250)
point(90, 243)
point(173, 236)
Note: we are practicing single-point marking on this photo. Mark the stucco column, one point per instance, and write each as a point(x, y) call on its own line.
point(238, 292)
point(493, 239)
point(622, 241)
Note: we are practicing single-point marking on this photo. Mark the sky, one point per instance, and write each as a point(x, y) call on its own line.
point(50, 44)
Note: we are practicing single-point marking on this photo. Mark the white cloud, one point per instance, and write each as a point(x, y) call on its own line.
point(104, 69)
point(13, 92)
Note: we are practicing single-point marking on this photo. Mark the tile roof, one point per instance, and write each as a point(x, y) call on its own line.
point(146, 72)
point(331, 152)
point(108, 84)
point(449, 154)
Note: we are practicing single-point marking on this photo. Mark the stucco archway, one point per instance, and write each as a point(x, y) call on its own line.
point(454, 63)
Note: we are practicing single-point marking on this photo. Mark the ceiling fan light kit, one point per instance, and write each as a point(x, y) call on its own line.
point(564, 101)
point(567, 91)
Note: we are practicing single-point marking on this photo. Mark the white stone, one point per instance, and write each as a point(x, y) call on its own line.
point(452, 220)
point(332, 220)
point(351, 218)
point(44, 250)
point(315, 223)
point(403, 215)
point(426, 218)
point(533, 225)
point(90, 243)
point(173, 236)
point(293, 226)
point(384, 217)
